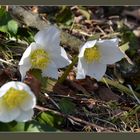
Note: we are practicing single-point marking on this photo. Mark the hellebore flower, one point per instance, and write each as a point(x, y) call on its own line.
point(94, 57)
point(16, 102)
point(44, 54)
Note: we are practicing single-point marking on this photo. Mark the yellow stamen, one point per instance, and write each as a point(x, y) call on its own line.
point(92, 54)
point(39, 59)
point(14, 97)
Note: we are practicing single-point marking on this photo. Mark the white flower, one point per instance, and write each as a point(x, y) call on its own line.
point(16, 102)
point(94, 57)
point(44, 54)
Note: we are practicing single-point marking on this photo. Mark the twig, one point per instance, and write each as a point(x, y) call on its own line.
point(106, 122)
point(72, 117)
point(6, 62)
point(101, 30)
point(64, 96)
point(47, 96)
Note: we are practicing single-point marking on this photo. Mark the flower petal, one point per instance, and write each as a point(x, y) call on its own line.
point(33, 46)
point(25, 116)
point(28, 103)
point(81, 69)
point(88, 44)
point(64, 54)
point(18, 85)
point(110, 53)
point(49, 38)
point(23, 69)
point(7, 115)
point(50, 71)
point(61, 60)
point(7, 86)
point(24, 64)
point(96, 70)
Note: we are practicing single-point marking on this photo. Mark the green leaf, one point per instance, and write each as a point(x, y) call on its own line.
point(51, 119)
point(124, 47)
point(26, 34)
point(30, 126)
point(4, 17)
point(2, 12)
point(4, 29)
point(65, 16)
point(4, 127)
point(48, 118)
point(12, 27)
point(7, 24)
point(138, 87)
point(67, 106)
point(37, 126)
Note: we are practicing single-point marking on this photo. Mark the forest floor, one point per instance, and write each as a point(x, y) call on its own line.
point(110, 105)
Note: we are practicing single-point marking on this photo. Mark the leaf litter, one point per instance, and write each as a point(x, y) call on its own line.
point(85, 105)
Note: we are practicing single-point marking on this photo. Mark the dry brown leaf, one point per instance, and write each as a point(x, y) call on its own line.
point(63, 90)
point(91, 103)
point(107, 95)
point(3, 77)
point(71, 76)
point(137, 130)
point(34, 9)
point(7, 74)
point(34, 84)
point(88, 84)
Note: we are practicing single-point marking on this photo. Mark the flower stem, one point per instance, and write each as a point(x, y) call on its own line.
point(119, 86)
point(65, 74)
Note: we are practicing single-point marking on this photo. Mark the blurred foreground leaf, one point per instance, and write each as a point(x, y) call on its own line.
point(7, 24)
point(50, 119)
point(13, 27)
point(31, 126)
